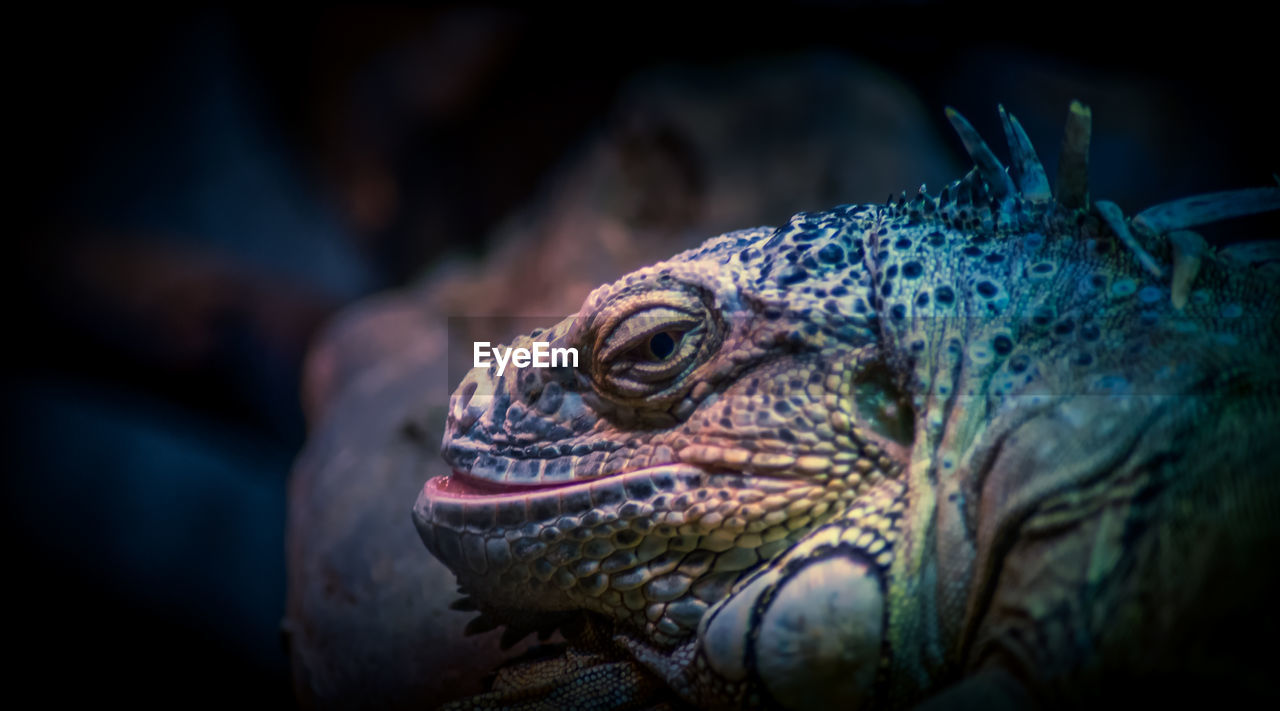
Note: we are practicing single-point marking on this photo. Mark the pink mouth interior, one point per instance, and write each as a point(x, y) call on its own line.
point(461, 485)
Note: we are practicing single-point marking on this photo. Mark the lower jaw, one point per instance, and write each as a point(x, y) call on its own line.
point(521, 550)
point(480, 536)
point(493, 541)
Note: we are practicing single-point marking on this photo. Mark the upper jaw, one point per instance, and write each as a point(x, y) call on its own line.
point(532, 465)
point(481, 473)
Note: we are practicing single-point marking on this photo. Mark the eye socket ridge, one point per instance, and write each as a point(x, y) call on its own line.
point(635, 333)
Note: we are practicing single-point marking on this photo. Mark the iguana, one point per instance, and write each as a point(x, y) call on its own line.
point(996, 446)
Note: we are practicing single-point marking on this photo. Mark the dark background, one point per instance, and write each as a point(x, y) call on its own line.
point(194, 193)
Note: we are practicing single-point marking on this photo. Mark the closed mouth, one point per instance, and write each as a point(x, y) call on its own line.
point(463, 485)
point(461, 491)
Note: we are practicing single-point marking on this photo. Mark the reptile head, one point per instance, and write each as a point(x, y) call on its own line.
point(724, 403)
point(732, 467)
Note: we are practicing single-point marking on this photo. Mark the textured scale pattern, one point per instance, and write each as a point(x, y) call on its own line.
point(880, 452)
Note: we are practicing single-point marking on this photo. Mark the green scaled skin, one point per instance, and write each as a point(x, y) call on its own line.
point(989, 446)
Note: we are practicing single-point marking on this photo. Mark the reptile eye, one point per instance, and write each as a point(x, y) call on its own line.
point(662, 345)
point(646, 351)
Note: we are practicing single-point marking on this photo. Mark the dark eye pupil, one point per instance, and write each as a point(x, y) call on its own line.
point(662, 345)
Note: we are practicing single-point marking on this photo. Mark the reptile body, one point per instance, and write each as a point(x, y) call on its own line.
point(1000, 443)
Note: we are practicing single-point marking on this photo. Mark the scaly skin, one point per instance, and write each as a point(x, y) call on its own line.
point(881, 450)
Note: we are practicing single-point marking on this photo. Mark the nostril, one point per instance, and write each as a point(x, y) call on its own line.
point(467, 390)
point(464, 407)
